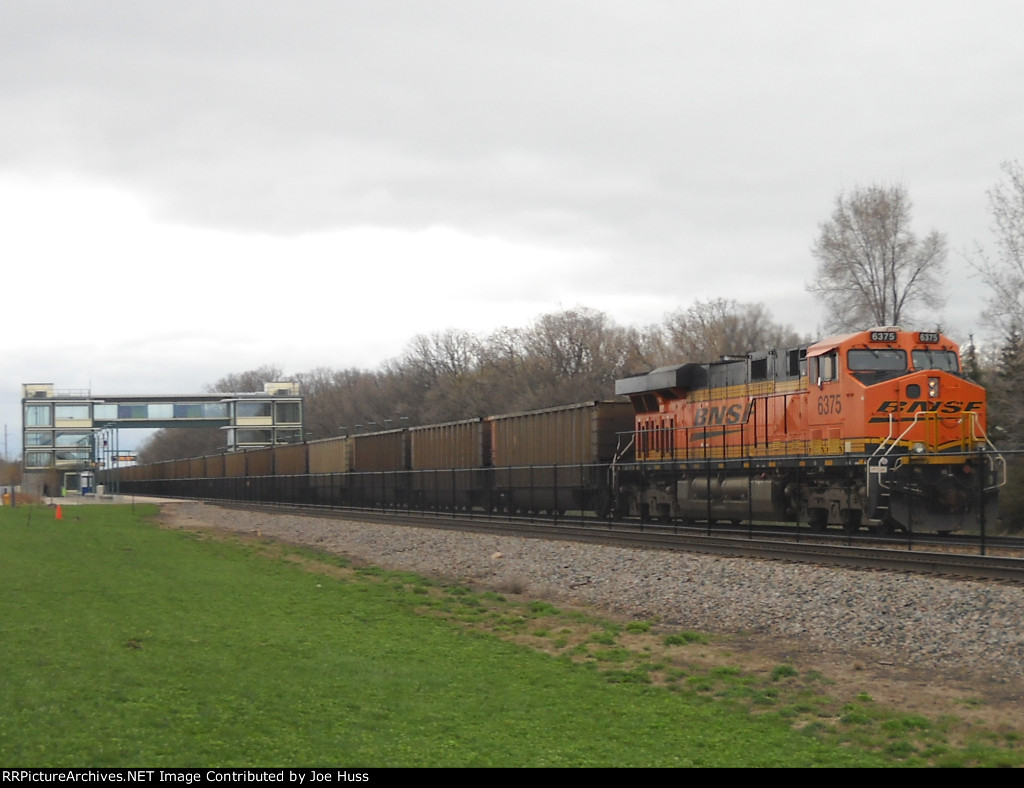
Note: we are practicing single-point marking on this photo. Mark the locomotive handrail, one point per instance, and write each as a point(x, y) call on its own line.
point(998, 463)
point(888, 447)
point(983, 437)
point(921, 418)
point(995, 460)
point(620, 450)
point(884, 444)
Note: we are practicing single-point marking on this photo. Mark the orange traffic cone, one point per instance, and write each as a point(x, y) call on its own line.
point(60, 515)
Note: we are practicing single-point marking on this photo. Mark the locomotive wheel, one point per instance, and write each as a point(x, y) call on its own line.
point(603, 505)
point(887, 527)
point(818, 520)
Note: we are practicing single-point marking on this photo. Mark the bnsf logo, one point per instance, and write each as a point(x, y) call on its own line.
point(923, 406)
point(713, 416)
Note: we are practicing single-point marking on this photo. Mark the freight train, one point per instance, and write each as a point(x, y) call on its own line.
point(877, 429)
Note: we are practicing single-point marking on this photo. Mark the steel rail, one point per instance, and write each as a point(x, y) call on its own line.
point(649, 537)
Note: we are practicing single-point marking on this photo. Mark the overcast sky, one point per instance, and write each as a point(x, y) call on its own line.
point(194, 189)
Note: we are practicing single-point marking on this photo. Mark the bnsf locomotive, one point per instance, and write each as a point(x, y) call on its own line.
point(879, 428)
point(876, 429)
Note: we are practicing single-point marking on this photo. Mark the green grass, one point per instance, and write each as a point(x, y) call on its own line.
point(124, 644)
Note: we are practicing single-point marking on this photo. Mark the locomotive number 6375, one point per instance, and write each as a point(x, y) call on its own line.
point(877, 429)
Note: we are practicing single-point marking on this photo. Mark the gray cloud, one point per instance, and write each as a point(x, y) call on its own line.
point(681, 149)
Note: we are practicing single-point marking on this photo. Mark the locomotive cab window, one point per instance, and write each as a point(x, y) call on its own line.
point(873, 365)
point(944, 360)
point(796, 362)
point(825, 367)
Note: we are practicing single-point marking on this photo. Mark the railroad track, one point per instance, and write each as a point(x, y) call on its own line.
point(951, 561)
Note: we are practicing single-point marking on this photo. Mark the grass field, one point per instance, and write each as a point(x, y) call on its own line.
point(129, 645)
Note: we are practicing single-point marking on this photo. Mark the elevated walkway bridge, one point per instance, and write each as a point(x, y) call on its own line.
point(68, 434)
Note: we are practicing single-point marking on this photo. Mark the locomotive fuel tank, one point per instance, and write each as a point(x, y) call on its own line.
point(731, 498)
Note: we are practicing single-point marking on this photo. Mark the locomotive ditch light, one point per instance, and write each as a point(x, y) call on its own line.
point(919, 448)
point(933, 387)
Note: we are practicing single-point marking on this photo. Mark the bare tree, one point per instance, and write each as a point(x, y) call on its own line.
point(711, 329)
point(251, 380)
point(872, 269)
point(573, 355)
point(449, 353)
point(332, 404)
point(1004, 274)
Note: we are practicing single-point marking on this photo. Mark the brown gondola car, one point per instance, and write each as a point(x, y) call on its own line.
point(290, 459)
point(449, 462)
point(215, 466)
point(557, 459)
point(380, 468)
point(329, 461)
point(235, 465)
point(196, 467)
point(259, 462)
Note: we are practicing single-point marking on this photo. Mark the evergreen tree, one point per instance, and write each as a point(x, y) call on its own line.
point(1006, 410)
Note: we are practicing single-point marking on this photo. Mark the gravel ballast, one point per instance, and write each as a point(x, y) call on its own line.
point(959, 627)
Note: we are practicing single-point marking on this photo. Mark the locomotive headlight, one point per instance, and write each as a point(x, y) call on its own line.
point(933, 387)
point(919, 448)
